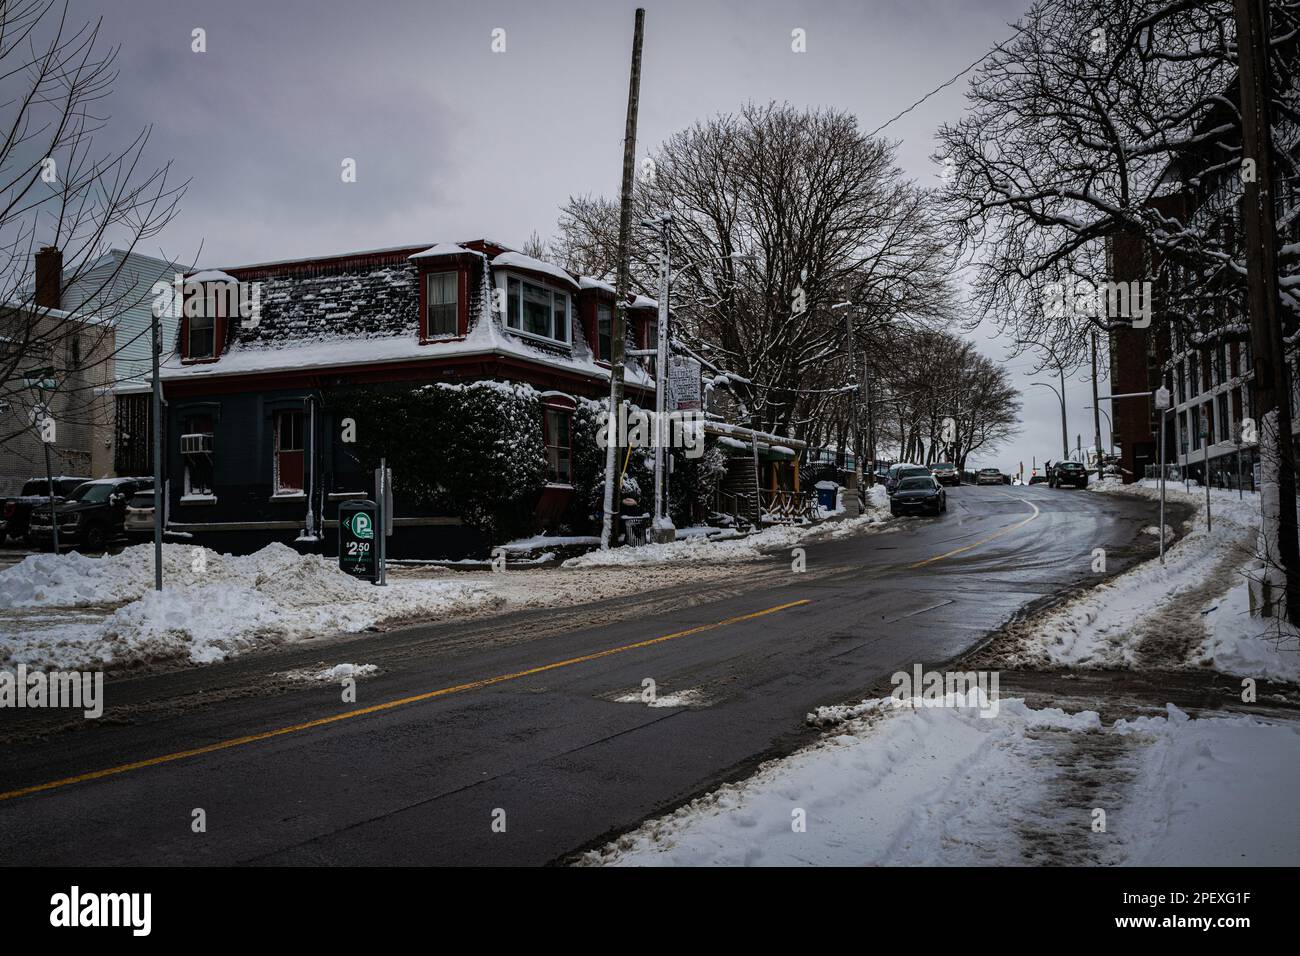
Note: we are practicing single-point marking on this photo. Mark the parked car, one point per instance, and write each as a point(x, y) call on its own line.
point(92, 516)
point(138, 520)
point(1068, 473)
point(917, 494)
point(903, 470)
point(16, 512)
point(1037, 479)
point(946, 473)
point(988, 476)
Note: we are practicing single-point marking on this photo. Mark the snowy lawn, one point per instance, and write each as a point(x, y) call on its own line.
point(1191, 611)
point(212, 606)
point(912, 785)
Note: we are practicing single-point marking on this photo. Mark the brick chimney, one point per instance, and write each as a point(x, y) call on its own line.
point(49, 278)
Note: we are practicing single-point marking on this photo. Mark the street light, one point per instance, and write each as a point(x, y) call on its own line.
point(1110, 430)
point(1060, 368)
point(662, 525)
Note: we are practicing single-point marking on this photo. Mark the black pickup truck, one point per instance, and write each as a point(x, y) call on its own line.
point(92, 516)
point(16, 512)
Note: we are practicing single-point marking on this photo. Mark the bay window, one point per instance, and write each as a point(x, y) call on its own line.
point(537, 310)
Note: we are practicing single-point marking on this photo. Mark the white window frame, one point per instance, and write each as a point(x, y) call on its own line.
point(503, 283)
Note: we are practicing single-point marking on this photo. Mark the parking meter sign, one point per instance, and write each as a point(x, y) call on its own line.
point(357, 553)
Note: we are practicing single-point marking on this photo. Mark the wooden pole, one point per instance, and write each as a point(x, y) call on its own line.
point(1272, 396)
point(613, 493)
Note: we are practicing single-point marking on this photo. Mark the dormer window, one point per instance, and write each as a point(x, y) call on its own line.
point(537, 310)
point(202, 336)
point(605, 331)
point(441, 303)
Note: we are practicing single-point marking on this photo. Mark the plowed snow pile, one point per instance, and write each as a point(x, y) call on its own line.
point(212, 605)
point(918, 785)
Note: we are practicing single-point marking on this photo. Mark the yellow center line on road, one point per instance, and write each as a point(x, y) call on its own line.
point(992, 537)
point(379, 708)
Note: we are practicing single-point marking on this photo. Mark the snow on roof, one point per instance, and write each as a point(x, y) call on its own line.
point(343, 352)
point(644, 302)
point(443, 249)
point(89, 318)
point(518, 260)
point(211, 275)
point(588, 282)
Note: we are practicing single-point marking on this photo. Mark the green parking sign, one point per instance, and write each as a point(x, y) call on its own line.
point(357, 552)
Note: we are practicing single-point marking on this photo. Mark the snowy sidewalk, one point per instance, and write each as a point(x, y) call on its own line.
point(917, 785)
point(1193, 611)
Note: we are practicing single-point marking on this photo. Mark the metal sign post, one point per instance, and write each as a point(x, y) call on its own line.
point(1162, 401)
point(1205, 444)
point(384, 504)
point(1236, 440)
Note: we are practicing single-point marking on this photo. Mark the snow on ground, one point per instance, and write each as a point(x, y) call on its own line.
point(331, 674)
point(1191, 611)
point(915, 785)
point(70, 610)
point(212, 605)
point(696, 550)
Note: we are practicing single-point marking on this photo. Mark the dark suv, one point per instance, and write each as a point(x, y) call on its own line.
point(16, 513)
point(1068, 473)
point(92, 515)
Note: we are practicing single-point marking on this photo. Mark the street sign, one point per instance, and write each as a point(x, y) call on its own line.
point(683, 384)
point(1162, 398)
point(357, 551)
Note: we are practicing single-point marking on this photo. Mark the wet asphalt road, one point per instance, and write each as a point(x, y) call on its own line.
point(548, 748)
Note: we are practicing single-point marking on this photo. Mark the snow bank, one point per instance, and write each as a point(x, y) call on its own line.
point(212, 606)
point(929, 785)
point(1214, 792)
point(1198, 594)
point(753, 547)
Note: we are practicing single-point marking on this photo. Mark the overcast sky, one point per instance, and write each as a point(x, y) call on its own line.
point(453, 141)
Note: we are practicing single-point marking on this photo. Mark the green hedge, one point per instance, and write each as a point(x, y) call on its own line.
point(475, 450)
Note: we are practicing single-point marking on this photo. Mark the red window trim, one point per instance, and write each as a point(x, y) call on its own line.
point(462, 302)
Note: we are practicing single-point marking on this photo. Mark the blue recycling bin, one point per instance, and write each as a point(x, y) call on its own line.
point(826, 497)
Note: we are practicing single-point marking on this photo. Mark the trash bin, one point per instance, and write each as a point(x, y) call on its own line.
point(827, 491)
point(636, 530)
point(357, 548)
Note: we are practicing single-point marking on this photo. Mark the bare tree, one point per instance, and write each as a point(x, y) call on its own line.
point(777, 215)
point(57, 188)
point(1103, 119)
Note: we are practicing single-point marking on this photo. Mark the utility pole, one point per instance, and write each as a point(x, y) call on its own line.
point(1096, 407)
point(854, 438)
point(624, 280)
point(1272, 396)
point(156, 336)
point(662, 532)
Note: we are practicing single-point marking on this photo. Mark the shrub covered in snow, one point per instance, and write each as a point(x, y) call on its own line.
point(589, 468)
point(474, 450)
